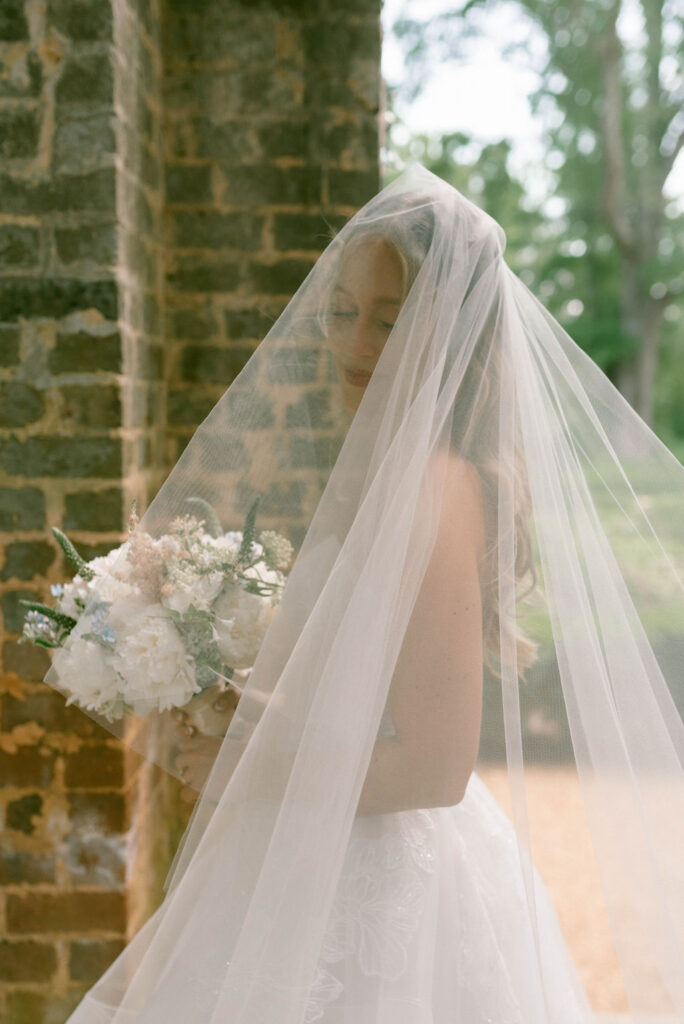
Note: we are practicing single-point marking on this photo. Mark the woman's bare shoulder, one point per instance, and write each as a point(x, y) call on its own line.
point(462, 496)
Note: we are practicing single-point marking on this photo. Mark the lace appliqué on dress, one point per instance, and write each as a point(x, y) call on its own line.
point(378, 904)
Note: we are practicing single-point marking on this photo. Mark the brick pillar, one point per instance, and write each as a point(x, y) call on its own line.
point(168, 176)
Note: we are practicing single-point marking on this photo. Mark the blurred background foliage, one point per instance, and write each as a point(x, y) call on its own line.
point(604, 249)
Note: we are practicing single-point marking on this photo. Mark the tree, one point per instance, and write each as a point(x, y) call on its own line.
point(612, 110)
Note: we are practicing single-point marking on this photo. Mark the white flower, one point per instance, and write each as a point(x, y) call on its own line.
point(76, 588)
point(86, 672)
point(157, 672)
point(189, 588)
point(277, 549)
point(241, 623)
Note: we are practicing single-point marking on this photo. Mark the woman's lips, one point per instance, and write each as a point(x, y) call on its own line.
point(354, 377)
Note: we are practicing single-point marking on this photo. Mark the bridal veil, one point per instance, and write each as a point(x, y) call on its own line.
point(563, 652)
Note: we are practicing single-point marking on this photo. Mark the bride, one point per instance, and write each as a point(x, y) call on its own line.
point(450, 468)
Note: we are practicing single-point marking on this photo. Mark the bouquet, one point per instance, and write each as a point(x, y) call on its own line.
point(163, 620)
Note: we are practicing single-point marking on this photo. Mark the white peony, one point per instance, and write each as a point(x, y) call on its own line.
point(87, 673)
point(242, 620)
point(157, 672)
point(199, 591)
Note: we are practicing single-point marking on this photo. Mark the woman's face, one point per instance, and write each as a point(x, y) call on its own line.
point(363, 308)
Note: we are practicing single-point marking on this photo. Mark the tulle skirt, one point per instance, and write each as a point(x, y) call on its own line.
point(430, 925)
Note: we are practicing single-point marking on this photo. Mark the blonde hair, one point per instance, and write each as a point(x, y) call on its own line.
point(474, 430)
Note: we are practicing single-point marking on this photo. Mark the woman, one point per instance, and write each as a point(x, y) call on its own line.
point(434, 445)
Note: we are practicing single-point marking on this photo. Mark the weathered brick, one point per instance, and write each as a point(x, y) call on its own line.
point(19, 245)
point(207, 363)
point(304, 230)
point(9, 345)
point(30, 766)
point(21, 508)
point(97, 243)
point(29, 868)
point(220, 274)
point(313, 409)
point(27, 961)
point(49, 709)
point(18, 195)
point(65, 912)
point(87, 20)
point(281, 278)
point(27, 660)
point(227, 139)
point(12, 612)
point(188, 183)
point(352, 188)
point(203, 229)
point(86, 79)
point(89, 958)
point(13, 23)
point(293, 365)
point(241, 324)
point(20, 404)
point(21, 812)
point(27, 297)
point(94, 767)
point(98, 812)
point(187, 408)
point(94, 191)
point(264, 184)
point(28, 81)
point(284, 138)
point(193, 324)
point(82, 141)
point(91, 406)
point(62, 456)
point(28, 1006)
point(19, 131)
point(85, 352)
point(25, 559)
point(94, 510)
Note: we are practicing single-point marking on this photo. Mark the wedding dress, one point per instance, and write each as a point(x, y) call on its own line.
point(487, 573)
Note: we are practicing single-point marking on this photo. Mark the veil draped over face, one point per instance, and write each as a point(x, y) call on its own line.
point(487, 553)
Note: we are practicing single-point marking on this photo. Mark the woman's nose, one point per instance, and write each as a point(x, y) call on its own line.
point(358, 339)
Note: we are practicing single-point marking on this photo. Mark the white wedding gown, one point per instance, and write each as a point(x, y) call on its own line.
point(428, 926)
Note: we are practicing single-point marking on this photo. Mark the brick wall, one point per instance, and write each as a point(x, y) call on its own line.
point(168, 175)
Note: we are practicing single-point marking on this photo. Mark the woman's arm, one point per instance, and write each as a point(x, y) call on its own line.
point(435, 698)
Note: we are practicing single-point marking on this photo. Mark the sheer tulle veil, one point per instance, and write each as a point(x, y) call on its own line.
point(478, 408)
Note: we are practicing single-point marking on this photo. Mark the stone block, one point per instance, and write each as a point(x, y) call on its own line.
point(188, 183)
point(205, 229)
point(20, 404)
point(193, 274)
point(192, 324)
point(90, 958)
point(86, 79)
point(27, 660)
point(13, 613)
point(66, 912)
point(352, 188)
point(211, 364)
point(13, 24)
point(62, 456)
point(305, 230)
point(264, 184)
point(83, 352)
point(81, 20)
point(187, 408)
point(31, 297)
point(97, 243)
point(21, 508)
point(91, 406)
point(29, 767)
point(94, 767)
point(293, 365)
point(243, 324)
point(10, 337)
point(20, 813)
point(27, 961)
point(25, 559)
point(18, 868)
point(280, 278)
point(19, 245)
point(94, 510)
point(19, 131)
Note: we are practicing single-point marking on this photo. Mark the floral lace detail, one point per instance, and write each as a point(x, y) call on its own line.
point(378, 905)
